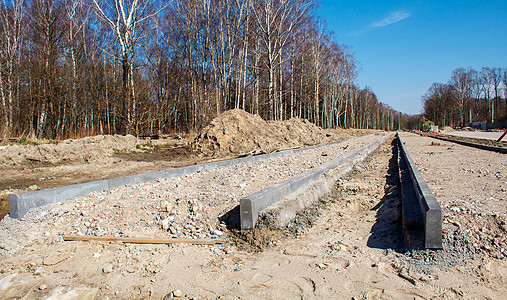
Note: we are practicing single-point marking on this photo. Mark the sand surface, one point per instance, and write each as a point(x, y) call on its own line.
point(348, 246)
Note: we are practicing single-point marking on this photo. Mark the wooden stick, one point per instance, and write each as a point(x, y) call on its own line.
point(142, 240)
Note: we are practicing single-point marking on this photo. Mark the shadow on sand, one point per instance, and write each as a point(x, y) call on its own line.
point(231, 219)
point(387, 232)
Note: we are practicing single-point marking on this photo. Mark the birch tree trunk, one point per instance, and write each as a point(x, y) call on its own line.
point(124, 18)
point(13, 28)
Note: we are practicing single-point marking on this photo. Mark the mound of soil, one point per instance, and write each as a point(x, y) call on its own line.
point(447, 129)
point(87, 149)
point(237, 131)
point(301, 132)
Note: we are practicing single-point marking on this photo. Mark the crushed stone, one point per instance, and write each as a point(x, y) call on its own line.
point(191, 204)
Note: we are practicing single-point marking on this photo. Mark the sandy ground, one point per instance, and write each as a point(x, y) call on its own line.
point(477, 134)
point(187, 206)
point(347, 247)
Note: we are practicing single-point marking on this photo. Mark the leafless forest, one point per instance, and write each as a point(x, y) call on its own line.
point(80, 67)
point(469, 96)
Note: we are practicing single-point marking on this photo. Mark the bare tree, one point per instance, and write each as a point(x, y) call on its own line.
point(125, 18)
point(461, 81)
point(77, 18)
point(487, 78)
point(318, 59)
point(496, 80)
point(438, 102)
point(504, 81)
point(348, 74)
point(12, 28)
point(117, 66)
point(275, 19)
point(478, 92)
point(45, 53)
point(475, 95)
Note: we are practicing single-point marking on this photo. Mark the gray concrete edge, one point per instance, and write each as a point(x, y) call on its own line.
point(20, 204)
point(474, 145)
point(280, 207)
point(430, 208)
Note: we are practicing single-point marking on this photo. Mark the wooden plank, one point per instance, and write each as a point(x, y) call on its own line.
point(143, 240)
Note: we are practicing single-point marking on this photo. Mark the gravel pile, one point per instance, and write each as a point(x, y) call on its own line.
point(457, 250)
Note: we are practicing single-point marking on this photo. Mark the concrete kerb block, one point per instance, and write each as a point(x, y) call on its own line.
point(301, 180)
point(123, 181)
point(433, 229)
point(248, 213)
point(412, 219)
point(429, 206)
point(19, 204)
point(251, 206)
point(282, 212)
point(474, 145)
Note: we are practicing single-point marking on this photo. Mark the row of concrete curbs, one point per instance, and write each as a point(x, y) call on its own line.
point(474, 145)
point(20, 204)
point(421, 212)
point(279, 203)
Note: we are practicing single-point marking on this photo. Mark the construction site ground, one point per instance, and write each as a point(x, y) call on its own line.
point(31, 175)
point(347, 246)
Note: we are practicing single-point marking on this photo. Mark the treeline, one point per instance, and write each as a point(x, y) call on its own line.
point(80, 67)
point(467, 97)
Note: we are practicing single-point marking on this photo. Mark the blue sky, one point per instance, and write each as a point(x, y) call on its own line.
point(402, 47)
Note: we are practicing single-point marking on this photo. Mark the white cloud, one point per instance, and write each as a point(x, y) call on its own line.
point(394, 17)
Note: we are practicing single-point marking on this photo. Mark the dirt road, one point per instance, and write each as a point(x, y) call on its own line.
point(348, 246)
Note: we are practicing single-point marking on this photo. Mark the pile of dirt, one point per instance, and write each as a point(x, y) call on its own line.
point(237, 131)
point(301, 132)
point(447, 129)
point(95, 148)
